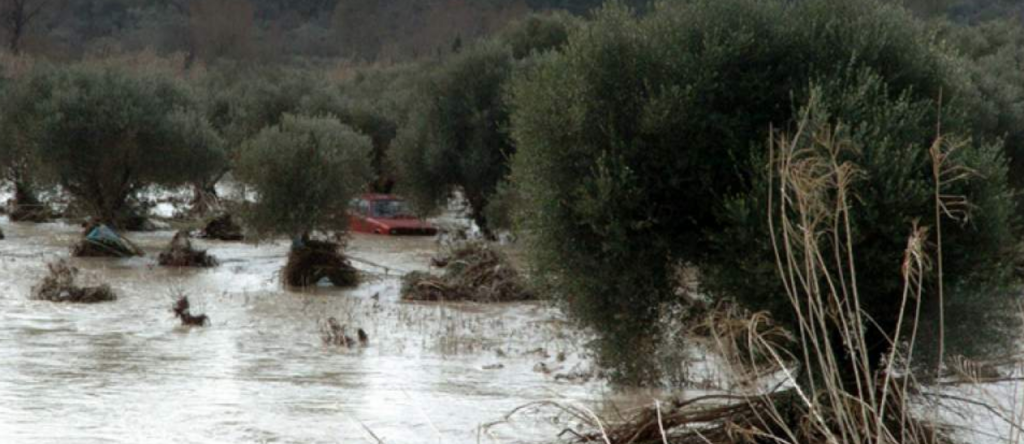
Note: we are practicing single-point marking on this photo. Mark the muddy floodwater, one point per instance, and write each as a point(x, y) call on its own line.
point(125, 372)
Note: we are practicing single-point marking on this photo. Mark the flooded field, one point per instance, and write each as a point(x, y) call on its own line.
point(125, 372)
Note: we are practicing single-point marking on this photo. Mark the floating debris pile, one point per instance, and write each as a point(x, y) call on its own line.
point(311, 261)
point(60, 286)
point(180, 253)
point(473, 271)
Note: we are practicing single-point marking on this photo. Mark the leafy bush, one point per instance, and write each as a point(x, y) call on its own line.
point(104, 133)
point(304, 171)
point(642, 145)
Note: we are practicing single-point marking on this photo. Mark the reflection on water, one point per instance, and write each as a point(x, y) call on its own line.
point(124, 372)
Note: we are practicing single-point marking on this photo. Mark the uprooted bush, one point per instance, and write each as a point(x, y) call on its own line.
point(60, 286)
point(180, 253)
point(102, 241)
point(311, 261)
point(473, 271)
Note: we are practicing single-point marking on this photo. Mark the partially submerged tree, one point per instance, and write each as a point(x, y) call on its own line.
point(456, 137)
point(105, 133)
point(20, 126)
point(303, 173)
point(641, 145)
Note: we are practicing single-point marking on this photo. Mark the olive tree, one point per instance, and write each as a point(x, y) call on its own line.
point(641, 145)
point(303, 172)
point(455, 138)
point(20, 129)
point(104, 133)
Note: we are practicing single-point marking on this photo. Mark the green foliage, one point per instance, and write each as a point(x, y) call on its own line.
point(455, 138)
point(993, 61)
point(19, 127)
point(537, 33)
point(304, 171)
point(642, 145)
point(104, 133)
point(243, 105)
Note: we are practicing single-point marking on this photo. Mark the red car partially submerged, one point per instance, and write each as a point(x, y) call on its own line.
point(386, 214)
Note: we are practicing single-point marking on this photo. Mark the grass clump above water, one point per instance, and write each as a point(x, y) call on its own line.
point(473, 271)
point(60, 286)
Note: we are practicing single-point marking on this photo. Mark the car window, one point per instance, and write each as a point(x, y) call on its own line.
point(390, 209)
point(360, 206)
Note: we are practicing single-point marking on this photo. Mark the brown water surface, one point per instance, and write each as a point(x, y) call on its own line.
point(125, 372)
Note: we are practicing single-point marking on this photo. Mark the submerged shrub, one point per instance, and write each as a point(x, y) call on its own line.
point(304, 172)
point(642, 145)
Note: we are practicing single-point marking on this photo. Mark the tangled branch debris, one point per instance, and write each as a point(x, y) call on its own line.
point(333, 333)
point(223, 228)
point(59, 286)
point(473, 271)
point(102, 241)
point(181, 254)
point(182, 311)
point(311, 261)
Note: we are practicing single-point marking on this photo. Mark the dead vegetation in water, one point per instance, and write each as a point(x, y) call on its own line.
point(313, 261)
point(333, 332)
point(473, 271)
point(180, 253)
point(60, 286)
point(223, 228)
point(182, 310)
